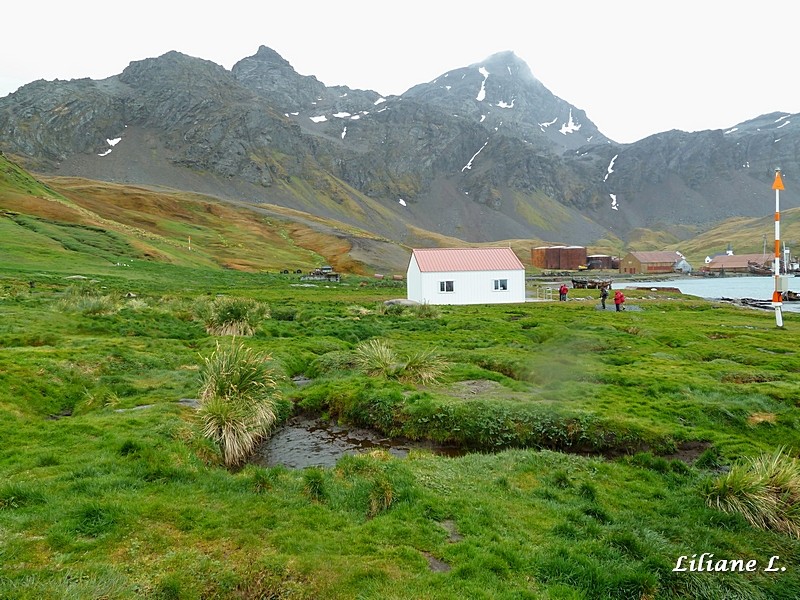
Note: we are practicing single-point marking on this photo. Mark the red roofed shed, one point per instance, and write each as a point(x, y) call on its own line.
point(465, 276)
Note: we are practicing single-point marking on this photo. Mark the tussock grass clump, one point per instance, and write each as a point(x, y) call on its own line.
point(424, 366)
point(231, 316)
point(18, 495)
point(238, 400)
point(371, 484)
point(264, 480)
point(358, 311)
point(314, 484)
point(135, 304)
point(95, 519)
point(765, 490)
point(426, 311)
point(376, 358)
point(86, 300)
point(391, 310)
point(331, 363)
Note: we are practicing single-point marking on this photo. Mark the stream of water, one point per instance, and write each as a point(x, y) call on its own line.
point(305, 442)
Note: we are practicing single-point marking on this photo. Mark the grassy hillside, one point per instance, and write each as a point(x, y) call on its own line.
point(100, 225)
point(746, 235)
point(60, 222)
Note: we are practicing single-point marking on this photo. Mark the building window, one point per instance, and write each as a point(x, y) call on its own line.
point(445, 286)
point(501, 285)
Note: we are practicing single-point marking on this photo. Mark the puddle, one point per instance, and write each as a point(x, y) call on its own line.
point(436, 565)
point(305, 442)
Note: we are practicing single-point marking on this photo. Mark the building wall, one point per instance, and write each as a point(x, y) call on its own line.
point(630, 264)
point(413, 280)
point(658, 267)
point(720, 268)
point(469, 287)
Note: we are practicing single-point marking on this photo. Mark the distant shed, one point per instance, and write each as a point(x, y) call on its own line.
point(650, 262)
point(736, 263)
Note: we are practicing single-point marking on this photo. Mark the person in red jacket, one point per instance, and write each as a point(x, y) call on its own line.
point(562, 292)
point(619, 300)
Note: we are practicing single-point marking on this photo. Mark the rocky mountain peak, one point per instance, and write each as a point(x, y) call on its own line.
point(303, 96)
point(509, 63)
point(173, 68)
point(265, 54)
point(270, 76)
point(501, 93)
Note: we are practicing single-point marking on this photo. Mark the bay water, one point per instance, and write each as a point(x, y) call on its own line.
point(715, 288)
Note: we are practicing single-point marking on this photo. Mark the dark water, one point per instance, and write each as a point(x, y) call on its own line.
point(305, 442)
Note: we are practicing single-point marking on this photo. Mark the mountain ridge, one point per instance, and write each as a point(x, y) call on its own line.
point(482, 153)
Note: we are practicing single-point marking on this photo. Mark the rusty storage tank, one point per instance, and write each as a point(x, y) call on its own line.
point(599, 261)
point(546, 257)
point(573, 257)
point(539, 257)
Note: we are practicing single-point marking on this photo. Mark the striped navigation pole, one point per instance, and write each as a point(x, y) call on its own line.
point(777, 295)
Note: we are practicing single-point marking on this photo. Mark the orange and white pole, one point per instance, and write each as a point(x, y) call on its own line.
point(777, 295)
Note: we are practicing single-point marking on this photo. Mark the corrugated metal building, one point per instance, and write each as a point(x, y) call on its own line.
point(649, 262)
point(736, 263)
point(465, 276)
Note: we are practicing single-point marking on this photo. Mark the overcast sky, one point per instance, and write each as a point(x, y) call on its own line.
point(636, 67)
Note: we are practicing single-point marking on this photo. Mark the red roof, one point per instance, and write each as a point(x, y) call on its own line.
point(437, 260)
point(738, 261)
point(657, 256)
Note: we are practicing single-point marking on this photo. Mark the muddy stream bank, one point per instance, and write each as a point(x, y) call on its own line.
point(307, 442)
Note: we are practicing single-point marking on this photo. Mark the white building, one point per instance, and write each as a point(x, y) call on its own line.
point(465, 276)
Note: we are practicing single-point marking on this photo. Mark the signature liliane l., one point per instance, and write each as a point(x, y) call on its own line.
point(706, 562)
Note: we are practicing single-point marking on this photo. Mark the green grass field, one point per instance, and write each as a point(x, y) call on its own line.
point(573, 488)
point(593, 438)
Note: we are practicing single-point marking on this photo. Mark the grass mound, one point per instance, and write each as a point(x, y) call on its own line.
point(378, 359)
point(231, 316)
point(237, 400)
point(764, 489)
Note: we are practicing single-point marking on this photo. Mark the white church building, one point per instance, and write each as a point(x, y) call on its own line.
point(465, 276)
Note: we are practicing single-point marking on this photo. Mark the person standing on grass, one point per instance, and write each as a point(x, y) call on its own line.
point(562, 292)
point(603, 296)
point(619, 300)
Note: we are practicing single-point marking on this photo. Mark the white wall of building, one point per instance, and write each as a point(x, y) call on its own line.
point(469, 287)
point(414, 281)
